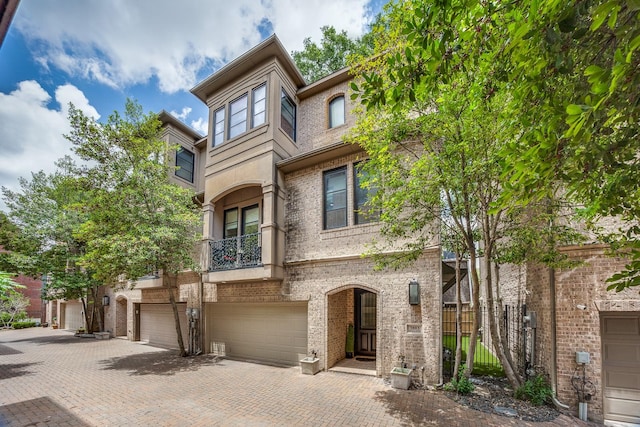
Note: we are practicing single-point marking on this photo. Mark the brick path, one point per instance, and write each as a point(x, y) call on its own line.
point(49, 377)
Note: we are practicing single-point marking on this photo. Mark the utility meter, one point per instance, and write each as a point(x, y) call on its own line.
point(582, 357)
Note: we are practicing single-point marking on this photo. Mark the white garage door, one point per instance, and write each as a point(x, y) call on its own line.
point(158, 327)
point(73, 318)
point(621, 367)
point(274, 333)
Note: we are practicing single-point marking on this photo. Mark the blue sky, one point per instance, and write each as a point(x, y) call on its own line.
point(97, 53)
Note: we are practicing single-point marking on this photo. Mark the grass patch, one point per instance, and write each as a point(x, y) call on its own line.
point(484, 362)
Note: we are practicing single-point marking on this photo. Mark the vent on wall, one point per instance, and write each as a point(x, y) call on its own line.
point(414, 328)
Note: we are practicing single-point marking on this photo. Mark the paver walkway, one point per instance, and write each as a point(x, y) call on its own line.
point(49, 377)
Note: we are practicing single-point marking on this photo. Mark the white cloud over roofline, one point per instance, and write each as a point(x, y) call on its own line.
point(124, 43)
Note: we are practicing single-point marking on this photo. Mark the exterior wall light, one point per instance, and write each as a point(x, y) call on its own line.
point(105, 300)
point(414, 292)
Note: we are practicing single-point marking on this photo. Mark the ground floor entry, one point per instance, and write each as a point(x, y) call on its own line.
point(273, 333)
point(621, 367)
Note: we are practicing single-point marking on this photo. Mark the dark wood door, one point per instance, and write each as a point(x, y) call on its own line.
point(365, 305)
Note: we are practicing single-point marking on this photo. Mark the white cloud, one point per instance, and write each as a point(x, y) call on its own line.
point(200, 125)
point(123, 43)
point(183, 115)
point(32, 131)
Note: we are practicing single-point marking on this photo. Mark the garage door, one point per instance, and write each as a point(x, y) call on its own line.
point(274, 333)
point(158, 327)
point(621, 366)
point(73, 318)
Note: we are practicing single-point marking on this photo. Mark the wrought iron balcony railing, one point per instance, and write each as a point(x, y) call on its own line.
point(236, 252)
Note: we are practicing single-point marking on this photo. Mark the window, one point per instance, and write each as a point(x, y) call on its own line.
point(238, 116)
point(184, 164)
point(288, 115)
point(231, 223)
point(335, 198)
point(362, 214)
point(250, 220)
point(218, 130)
point(259, 97)
point(336, 111)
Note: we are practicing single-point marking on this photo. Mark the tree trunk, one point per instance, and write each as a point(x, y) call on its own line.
point(458, 358)
point(475, 302)
point(496, 339)
point(87, 320)
point(168, 279)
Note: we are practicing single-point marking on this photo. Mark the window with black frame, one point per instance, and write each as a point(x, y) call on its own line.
point(185, 164)
point(363, 212)
point(288, 115)
point(335, 198)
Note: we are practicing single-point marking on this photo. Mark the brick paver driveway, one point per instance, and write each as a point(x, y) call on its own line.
point(49, 377)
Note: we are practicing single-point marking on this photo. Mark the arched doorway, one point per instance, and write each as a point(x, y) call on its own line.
point(356, 306)
point(121, 317)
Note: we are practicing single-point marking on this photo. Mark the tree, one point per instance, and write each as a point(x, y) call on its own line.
point(137, 220)
point(7, 284)
point(315, 62)
point(436, 129)
point(586, 140)
point(44, 212)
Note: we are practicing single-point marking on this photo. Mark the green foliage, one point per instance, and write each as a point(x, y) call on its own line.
point(536, 390)
point(316, 61)
point(566, 75)
point(7, 284)
point(12, 307)
point(45, 212)
point(460, 385)
point(137, 220)
point(22, 325)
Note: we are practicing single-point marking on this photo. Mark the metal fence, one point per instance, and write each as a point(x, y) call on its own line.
point(236, 252)
point(485, 360)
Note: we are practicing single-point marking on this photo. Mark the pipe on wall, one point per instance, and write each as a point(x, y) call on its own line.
point(554, 351)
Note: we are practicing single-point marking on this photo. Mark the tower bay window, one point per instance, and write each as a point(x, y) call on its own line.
point(238, 116)
point(259, 99)
point(218, 128)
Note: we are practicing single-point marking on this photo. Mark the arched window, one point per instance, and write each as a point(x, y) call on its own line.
point(336, 111)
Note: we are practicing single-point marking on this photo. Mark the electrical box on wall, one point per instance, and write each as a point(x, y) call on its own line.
point(582, 357)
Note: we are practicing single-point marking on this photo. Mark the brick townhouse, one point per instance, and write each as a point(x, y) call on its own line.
point(282, 257)
point(284, 233)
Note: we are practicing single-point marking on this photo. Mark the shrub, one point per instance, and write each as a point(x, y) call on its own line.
point(536, 390)
point(461, 384)
point(22, 325)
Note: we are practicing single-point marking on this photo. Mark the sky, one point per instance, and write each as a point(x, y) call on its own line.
point(96, 54)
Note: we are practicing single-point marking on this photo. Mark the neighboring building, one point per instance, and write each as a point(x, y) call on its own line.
point(7, 10)
point(575, 314)
point(33, 291)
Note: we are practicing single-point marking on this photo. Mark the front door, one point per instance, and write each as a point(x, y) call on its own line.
point(365, 305)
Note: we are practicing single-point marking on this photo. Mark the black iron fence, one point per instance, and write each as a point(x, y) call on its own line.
point(485, 360)
point(236, 252)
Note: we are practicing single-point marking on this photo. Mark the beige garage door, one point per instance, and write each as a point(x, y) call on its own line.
point(621, 366)
point(157, 325)
point(73, 318)
point(273, 333)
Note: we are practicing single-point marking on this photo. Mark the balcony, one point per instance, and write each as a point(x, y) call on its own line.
point(236, 252)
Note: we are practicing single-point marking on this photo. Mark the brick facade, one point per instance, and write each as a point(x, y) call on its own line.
point(577, 329)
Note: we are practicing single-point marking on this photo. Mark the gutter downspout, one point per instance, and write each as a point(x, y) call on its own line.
point(554, 351)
